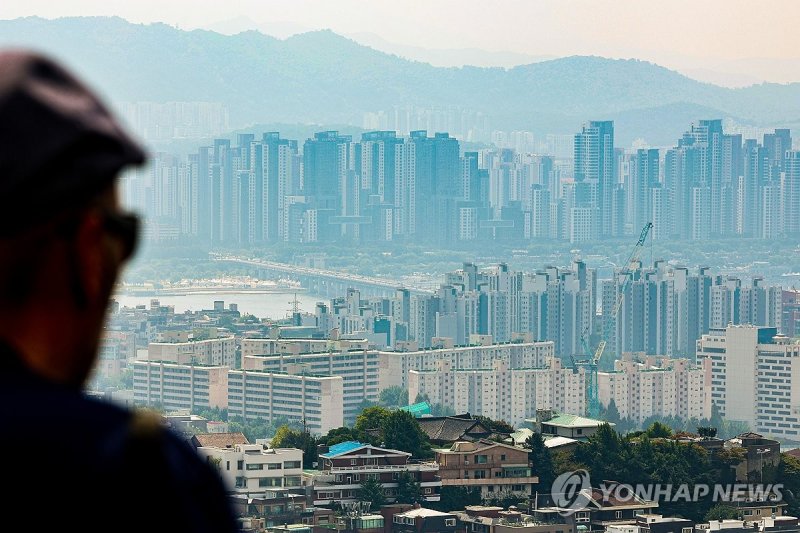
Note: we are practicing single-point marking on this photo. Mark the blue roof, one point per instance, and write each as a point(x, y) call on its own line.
point(342, 447)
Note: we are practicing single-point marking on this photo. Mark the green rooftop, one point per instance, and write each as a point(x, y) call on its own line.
point(418, 409)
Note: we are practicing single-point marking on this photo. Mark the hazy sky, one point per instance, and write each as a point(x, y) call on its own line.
point(661, 30)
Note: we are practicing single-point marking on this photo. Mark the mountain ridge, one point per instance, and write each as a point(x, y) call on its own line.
point(324, 77)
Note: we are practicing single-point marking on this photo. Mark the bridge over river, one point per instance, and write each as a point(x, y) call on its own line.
point(329, 283)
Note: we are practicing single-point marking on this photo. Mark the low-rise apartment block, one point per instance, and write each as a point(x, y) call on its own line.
point(343, 467)
point(656, 386)
point(493, 468)
point(316, 401)
point(499, 391)
point(180, 387)
point(359, 370)
point(218, 352)
point(300, 346)
point(396, 365)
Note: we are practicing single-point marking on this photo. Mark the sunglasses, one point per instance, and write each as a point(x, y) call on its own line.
point(125, 227)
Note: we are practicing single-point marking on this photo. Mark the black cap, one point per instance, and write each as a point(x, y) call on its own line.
point(59, 145)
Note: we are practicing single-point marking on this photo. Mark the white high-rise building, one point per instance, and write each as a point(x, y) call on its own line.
point(500, 391)
point(755, 377)
point(656, 386)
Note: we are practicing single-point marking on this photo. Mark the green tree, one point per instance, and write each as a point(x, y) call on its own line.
point(302, 440)
point(789, 475)
point(371, 418)
point(422, 398)
point(453, 498)
point(439, 409)
point(497, 426)
point(401, 431)
point(540, 460)
point(721, 512)
point(394, 396)
point(338, 435)
point(408, 489)
point(658, 430)
point(612, 413)
point(707, 432)
point(371, 491)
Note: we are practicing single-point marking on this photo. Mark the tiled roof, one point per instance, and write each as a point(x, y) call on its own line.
point(451, 429)
point(219, 440)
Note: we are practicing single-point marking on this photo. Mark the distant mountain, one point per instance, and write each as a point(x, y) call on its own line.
point(447, 57)
point(322, 77)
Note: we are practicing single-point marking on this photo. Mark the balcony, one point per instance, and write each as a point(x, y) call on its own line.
point(490, 481)
point(413, 467)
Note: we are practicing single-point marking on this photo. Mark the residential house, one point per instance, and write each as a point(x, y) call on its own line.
point(344, 466)
point(494, 468)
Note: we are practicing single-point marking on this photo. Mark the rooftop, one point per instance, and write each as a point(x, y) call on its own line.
point(574, 421)
point(422, 513)
point(342, 447)
point(219, 440)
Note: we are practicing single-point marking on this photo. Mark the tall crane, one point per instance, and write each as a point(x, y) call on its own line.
point(590, 365)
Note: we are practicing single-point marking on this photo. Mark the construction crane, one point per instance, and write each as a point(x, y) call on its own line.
point(590, 365)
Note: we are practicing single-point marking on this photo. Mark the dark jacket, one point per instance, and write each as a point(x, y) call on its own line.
point(73, 463)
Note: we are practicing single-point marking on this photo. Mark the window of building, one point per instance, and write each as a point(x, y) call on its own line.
point(686, 530)
point(617, 514)
point(353, 462)
point(291, 464)
point(273, 466)
point(256, 466)
point(428, 490)
point(240, 464)
point(450, 522)
point(227, 465)
point(503, 457)
point(480, 474)
point(481, 459)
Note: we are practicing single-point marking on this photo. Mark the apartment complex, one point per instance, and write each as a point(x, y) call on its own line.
point(495, 469)
point(316, 401)
point(395, 366)
point(499, 391)
point(219, 352)
point(300, 346)
point(343, 467)
point(755, 377)
point(179, 386)
point(359, 371)
point(656, 386)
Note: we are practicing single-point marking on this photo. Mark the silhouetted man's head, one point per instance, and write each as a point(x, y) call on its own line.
point(63, 237)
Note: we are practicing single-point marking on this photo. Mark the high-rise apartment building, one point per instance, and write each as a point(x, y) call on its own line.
point(594, 165)
point(754, 377)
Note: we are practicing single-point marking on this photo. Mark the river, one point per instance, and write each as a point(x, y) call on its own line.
point(273, 305)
